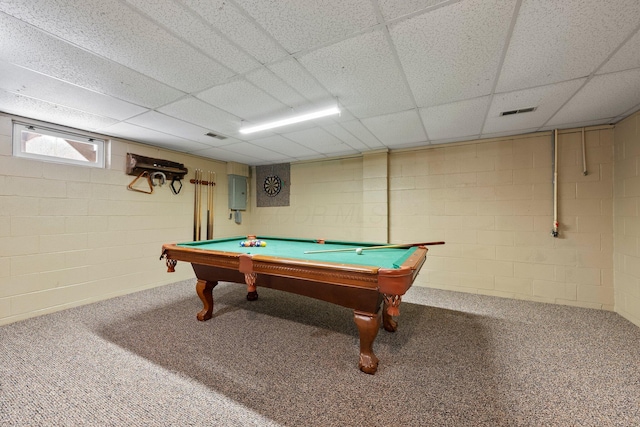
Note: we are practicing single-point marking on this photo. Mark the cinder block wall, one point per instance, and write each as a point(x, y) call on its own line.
point(627, 218)
point(71, 235)
point(325, 202)
point(492, 202)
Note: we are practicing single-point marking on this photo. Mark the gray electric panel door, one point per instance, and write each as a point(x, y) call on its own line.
point(237, 192)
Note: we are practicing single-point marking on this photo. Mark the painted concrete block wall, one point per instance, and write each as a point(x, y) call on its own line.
point(375, 197)
point(325, 202)
point(70, 235)
point(492, 202)
point(626, 218)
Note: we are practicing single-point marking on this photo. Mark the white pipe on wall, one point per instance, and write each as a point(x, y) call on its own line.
point(554, 231)
point(584, 155)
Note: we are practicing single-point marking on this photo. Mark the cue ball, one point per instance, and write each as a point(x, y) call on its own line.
point(359, 251)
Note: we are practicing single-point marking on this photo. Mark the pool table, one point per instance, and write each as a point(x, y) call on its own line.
point(361, 281)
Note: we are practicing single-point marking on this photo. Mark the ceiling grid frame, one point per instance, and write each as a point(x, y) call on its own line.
point(154, 108)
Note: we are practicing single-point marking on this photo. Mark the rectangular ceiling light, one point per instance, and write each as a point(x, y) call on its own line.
point(291, 120)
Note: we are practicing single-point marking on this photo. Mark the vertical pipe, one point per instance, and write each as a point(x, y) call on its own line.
point(584, 155)
point(554, 231)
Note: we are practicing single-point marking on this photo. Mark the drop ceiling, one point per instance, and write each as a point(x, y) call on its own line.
point(404, 73)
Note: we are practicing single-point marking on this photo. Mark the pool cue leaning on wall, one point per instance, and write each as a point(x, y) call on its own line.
point(210, 189)
point(197, 204)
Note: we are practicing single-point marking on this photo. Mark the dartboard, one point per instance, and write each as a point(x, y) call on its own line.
point(272, 185)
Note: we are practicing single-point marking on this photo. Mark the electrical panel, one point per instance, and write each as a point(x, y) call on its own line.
point(237, 192)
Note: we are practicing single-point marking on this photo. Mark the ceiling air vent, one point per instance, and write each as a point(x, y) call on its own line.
point(215, 135)
point(521, 110)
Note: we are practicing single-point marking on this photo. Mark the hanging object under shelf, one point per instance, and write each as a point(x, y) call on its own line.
point(170, 171)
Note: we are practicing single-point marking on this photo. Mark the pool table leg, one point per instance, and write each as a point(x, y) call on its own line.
point(368, 325)
point(390, 309)
point(204, 289)
point(250, 280)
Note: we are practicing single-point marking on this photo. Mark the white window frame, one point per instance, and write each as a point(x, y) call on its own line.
point(18, 150)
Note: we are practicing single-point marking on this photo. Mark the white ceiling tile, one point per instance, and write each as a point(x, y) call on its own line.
point(359, 130)
point(239, 28)
point(321, 122)
point(229, 156)
point(397, 129)
point(624, 59)
point(256, 151)
point(551, 39)
point(459, 119)
point(344, 116)
point(280, 130)
point(292, 73)
point(313, 138)
point(362, 73)
point(604, 96)
point(266, 80)
point(320, 141)
point(283, 129)
point(196, 31)
point(508, 133)
point(23, 45)
point(198, 112)
point(453, 52)
point(340, 151)
point(301, 25)
point(626, 114)
point(89, 63)
point(605, 121)
point(172, 126)
point(345, 136)
point(124, 37)
point(392, 9)
point(41, 110)
point(450, 140)
point(244, 100)
point(546, 99)
point(29, 83)
point(152, 137)
point(285, 146)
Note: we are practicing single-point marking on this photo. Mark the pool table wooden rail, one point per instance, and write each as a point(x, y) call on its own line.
point(361, 288)
point(387, 280)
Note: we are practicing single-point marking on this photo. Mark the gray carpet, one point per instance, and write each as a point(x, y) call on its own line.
point(284, 360)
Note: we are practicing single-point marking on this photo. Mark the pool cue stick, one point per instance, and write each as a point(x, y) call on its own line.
point(208, 203)
point(407, 245)
point(198, 205)
point(210, 207)
point(195, 206)
point(213, 200)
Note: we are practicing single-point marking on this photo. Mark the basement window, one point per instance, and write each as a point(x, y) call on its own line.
point(52, 145)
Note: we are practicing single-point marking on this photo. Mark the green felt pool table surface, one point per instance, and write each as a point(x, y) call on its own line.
point(296, 248)
point(363, 282)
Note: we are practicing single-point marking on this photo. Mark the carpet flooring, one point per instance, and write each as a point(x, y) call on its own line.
point(286, 360)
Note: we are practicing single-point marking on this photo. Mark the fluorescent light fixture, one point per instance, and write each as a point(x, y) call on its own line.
point(292, 120)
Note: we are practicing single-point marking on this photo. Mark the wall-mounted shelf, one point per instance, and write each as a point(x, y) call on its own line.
point(137, 164)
